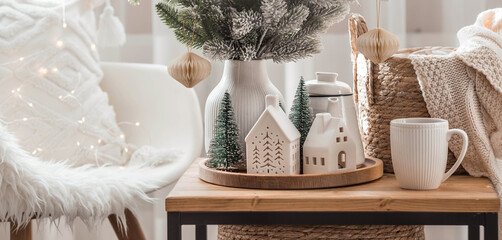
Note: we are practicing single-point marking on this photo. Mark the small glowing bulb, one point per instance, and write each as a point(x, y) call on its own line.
point(72, 91)
point(39, 149)
point(21, 59)
point(121, 135)
point(100, 141)
point(13, 91)
point(55, 70)
point(126, 149)
point(93, 47)
point(81, 120)
point(59, 43)
point(34, 152)
point(78, 143)
point(92, 146)
point(60, 97)
point(18, 89)
point(25, 119)
point(137, 124)
point(42, 71)
point(30, 104)
point(64, 25)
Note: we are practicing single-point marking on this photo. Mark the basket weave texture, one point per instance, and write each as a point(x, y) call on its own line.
point(384, 92)
point(290, 232)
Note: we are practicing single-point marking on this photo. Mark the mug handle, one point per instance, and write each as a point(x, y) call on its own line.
point(465, 141)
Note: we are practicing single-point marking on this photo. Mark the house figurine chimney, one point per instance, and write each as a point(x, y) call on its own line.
point(272, 100)
point(325, 119)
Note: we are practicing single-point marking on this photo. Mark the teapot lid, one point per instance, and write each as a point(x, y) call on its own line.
point(327, 84)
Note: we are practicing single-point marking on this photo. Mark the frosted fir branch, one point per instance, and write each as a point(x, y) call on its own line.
point(293, 20)
point(243, 22)
point(258, 29)
point(218, 49)
point(296, 49)
point(272, 11)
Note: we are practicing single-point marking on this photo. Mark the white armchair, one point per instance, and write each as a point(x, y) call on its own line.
point(169, 116)
point(169, 113)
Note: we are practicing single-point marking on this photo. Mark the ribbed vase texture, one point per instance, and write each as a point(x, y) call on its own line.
point(419, 155)
point(248, 84)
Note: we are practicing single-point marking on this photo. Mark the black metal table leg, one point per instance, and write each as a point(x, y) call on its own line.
point(491, 226)
point(474, 232)
point(200, 232)
point(201, 219)
point(173, 226)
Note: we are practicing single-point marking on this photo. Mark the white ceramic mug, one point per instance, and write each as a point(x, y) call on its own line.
point(419, 148)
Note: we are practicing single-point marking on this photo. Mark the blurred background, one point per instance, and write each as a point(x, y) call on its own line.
point(418, 23)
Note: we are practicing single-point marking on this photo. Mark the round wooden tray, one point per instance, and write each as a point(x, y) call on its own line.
point(370, 170)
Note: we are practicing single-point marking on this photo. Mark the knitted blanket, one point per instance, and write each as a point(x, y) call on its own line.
point(465, 87)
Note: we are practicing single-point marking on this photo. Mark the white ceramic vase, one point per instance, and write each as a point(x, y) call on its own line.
point(248, 84)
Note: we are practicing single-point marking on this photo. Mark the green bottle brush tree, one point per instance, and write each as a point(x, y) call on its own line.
point(225, 151)
point(301, 115)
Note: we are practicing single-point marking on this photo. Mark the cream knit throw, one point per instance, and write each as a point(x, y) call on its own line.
point(465, 87)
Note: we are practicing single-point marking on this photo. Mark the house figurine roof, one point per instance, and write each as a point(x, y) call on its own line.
point(276, 114)
point(324, 125)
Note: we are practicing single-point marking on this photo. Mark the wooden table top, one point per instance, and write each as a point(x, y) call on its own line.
point(457, 194)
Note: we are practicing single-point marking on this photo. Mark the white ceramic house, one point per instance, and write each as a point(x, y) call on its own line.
point(273, 144)
point(328, 147)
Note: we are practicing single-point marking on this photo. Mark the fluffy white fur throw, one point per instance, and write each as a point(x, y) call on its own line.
point(465, 88)
point(33, 188)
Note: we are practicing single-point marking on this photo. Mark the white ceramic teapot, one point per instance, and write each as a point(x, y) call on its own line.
point(326, 94)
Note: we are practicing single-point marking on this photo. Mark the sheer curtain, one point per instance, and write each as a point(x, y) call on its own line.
point(416, 23)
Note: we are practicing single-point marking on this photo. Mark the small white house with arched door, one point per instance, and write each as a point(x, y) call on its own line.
point(328, 147)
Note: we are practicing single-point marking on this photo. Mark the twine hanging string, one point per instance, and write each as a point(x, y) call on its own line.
point(193, 31)
point(378, 5)
point(185, 33)
point(190, 46)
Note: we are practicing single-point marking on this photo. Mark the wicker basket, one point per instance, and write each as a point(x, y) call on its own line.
point(290, 232)
point(384, 92)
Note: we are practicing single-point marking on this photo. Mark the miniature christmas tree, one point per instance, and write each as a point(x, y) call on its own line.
point(225, 150)
point(301, 115)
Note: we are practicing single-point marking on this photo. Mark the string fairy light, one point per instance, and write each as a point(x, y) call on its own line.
point(45, 70)
point(42, 71)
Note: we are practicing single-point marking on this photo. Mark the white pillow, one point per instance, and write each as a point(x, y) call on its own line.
point(49, 83)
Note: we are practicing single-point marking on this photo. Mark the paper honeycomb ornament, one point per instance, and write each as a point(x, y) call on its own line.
point(378, 44)
point(189, 69)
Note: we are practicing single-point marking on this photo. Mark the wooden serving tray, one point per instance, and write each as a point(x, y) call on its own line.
point(370, 170)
